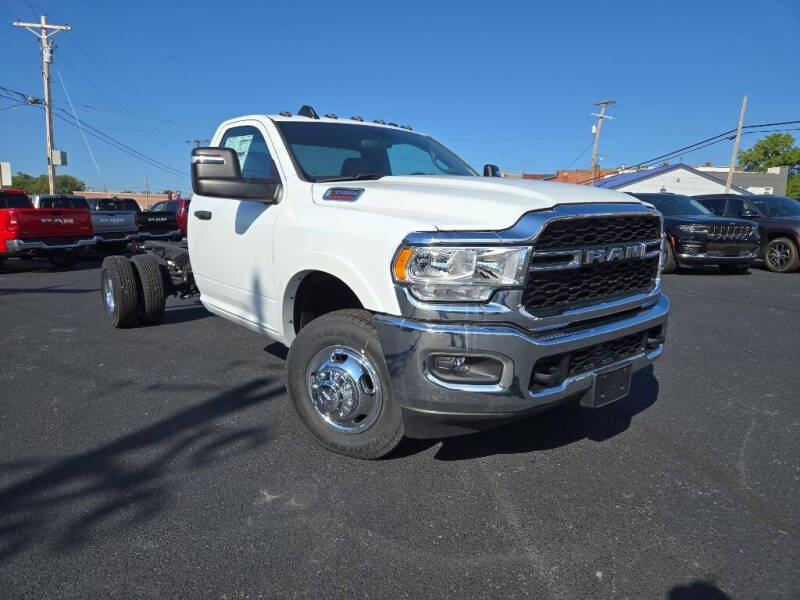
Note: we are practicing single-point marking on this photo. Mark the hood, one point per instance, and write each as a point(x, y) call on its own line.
point(707, 220)
point(464, 203)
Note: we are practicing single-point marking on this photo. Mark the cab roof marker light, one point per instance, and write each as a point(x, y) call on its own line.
point(405, 127)
point(357, 118)
point(285, 113)
point(331, 116)
point(392, 124)
point(307, 111)
point(379, 121)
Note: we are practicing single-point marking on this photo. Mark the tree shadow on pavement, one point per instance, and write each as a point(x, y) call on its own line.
point(128, 478)
point(697, 590)
point(546, 430)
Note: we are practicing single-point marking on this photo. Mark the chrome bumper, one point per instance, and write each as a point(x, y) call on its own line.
point(166, 235)
point(26, 245)
point(407, 343)
point(119, 237)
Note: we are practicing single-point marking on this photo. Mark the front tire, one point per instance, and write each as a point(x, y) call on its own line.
point(340, 386)
point(782, 256)
point(119, 291)
point(670, 263)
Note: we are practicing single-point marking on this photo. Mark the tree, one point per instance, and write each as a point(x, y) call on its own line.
point(167, 192)
point(775, 150)
point(65, 184)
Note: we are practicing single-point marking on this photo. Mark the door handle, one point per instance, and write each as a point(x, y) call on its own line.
point(205, 215)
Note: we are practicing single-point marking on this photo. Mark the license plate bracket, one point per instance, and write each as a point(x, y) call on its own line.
point(611, 385)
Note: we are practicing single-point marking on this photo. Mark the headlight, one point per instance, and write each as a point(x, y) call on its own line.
point(694, 228)
point(468, 274)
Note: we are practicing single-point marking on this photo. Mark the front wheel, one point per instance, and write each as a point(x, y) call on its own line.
point(782, 256)
point(670, 263)
point(340, 386)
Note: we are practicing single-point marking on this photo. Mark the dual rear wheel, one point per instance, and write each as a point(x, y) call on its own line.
point(133, 291)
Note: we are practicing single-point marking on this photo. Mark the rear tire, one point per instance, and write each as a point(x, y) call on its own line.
point(2, 261)
point(151, 288)
point(63, 260)
point(119, 291)
point(782, 256)
point(350, 410)
point(734, 269)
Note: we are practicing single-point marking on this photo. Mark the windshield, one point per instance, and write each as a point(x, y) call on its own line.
point(332, 151)
point(117, 204)
point(777, 206)
point(678, 205)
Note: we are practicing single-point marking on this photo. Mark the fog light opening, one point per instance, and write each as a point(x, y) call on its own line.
point(655, 338)
point(465, 369)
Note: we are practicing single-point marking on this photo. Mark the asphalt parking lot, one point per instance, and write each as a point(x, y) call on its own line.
point(166, 462)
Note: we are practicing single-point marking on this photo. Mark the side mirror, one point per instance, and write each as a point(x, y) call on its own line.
point(491, 170)
point(749, 214)
point(216, 172)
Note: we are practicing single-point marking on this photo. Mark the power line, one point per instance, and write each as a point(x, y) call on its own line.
point(97, 133)
point(721, 137)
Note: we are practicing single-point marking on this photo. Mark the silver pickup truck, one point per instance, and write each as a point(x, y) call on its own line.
point(114, 225)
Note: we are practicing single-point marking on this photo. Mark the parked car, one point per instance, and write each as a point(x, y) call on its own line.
point(114, 225)
point(165, 220)
point(58, 234)
point(417, 297)
point(695, 236)
point(778, 220)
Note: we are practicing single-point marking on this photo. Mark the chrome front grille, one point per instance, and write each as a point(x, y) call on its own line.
point(731, 232)
point(589, 260)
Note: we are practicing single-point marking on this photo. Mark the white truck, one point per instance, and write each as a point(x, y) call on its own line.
point(416, 297)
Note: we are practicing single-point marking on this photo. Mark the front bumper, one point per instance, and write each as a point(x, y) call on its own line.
point(693, 251)
point(458, 408)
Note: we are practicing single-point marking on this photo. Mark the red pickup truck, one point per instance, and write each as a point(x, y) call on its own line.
point(57, 234)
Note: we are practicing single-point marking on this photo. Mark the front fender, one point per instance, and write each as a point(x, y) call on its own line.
point(376, 293)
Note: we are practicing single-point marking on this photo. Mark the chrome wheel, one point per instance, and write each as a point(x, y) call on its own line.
point(108, 293)
point(344, 389)
point(778, 254)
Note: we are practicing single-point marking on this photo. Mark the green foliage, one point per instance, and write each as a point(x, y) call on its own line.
point(126, 192)
point(793, 186)
point(774, 150)
point(39, 185)
point(167, 192)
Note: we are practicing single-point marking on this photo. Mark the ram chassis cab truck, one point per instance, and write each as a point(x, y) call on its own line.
point(114, 227)
point(416, 297)
point(59, 234)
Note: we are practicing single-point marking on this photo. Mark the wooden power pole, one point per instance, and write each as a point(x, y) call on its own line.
point(600, 117)
point(47, 30)
point(736, 147)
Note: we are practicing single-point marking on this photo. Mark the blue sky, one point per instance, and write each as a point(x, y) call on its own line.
point(506, 82)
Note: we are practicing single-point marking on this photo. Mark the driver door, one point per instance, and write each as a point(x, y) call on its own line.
point(230, 239)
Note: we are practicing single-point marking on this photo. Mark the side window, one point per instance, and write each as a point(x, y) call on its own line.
point(715, 205)
point(158, 206)
point(735, 207)
point(254, 157)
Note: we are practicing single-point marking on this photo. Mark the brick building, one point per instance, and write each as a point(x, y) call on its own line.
point(144, 200)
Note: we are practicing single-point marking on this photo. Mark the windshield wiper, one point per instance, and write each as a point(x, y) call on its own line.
point(360, 176)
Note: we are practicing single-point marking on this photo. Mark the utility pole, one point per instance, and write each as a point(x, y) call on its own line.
point(736, 147)
point(197, 143)
point(602, 115)
point(146, 190)
point(47, 30)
